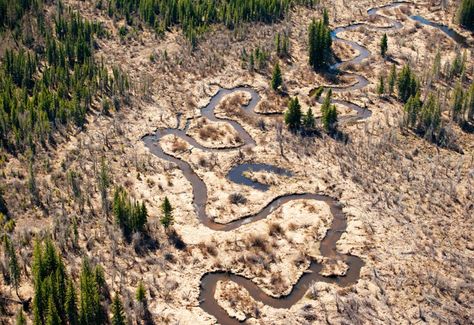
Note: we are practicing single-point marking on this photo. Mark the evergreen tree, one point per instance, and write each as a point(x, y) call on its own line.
point(466, 14)
point(276, 77)
point(293, 114)
point(118, 317)
point(141, 293)
point(71, 305)
point(130, 215)
point(308, 120)
point(167, 211)
point(319, 40)
point(89, 296)
point(52, 317)
point(13, 267)
point(381, 86)
point(458, 103)
point(469, 102)
point(329, 113)
point(407, 84)
point(412, 109)
point(325, 17)
point(3, 204)
point(383, 45)
point(430, 117)
point(392, 78)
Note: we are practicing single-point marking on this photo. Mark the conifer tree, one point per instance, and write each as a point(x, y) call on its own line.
point(293, 114)
point(407, 84)
point(383, 45)
point(381, 86)
point(319, 40)
point(89, 296)
point(466, 14)
point(392, 78)
point(276, 77)
point(13, 267)
point(325, 17)
point(71, 304)
point(308, 120)
point(52, 317)
point(141, 293)
point(167, 213)
point(458, 103)
point(329, 113)
point(118, 317)
point(412, 109)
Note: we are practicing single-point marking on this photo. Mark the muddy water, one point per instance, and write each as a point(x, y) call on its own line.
point(455, 36)
point(200, 196)
point(236, 174)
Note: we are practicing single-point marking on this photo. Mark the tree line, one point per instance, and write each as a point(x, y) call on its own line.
point(43, 90)
point(195, 16)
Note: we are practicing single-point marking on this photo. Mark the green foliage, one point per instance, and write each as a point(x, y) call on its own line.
point(319, 40)
point(282, 45)
point(141, 293)
point(195, 16)
point(317, 92)
point(466, 14)
point(329, 114)
point(293, 114)
point(412, 109)
point(383, 45)
point(118, 317)
point(14, 271)
point(430, 116)
point(392, 79)
point(256, 60)
point(407, 84)
point(35, 102)
point(308, 120)
point(457, 105)
point(3, 204)
point(469, 102)
point(71, 304)
point(129, 214)
point(91, 311)
point(276, 77)
point(49, 279)
point(381, 86)
point(167, 213)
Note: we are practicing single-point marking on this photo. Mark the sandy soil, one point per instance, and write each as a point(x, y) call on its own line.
point(408, 203)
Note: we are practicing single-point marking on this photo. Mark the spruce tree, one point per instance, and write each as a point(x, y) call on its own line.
point(329, 113)
point(118, 317)
point(383, 45)
point(319, 45)
point(13, 267)
point(381, 86)
point(293, 114)
point(141, 293)
point(407, 84)
point(276, 77)
point(466, 14)
point(458, 103)
point(71, 304)
point(89, 296)
point(392, 79)
point(412, 109)
point(167, 213)
point(52, 317)
point(308, 120)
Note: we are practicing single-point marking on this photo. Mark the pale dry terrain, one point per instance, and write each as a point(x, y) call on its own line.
point(409, 204)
